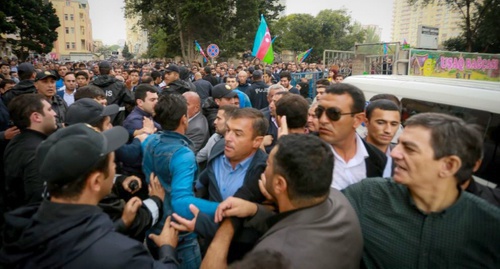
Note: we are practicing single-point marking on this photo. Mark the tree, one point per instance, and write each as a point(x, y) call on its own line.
point(126, 53)
point(473, 13)
point(229, 23)
point(34, 22)
point(330, 29)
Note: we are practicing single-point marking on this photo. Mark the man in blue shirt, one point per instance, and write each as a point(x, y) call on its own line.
point(168, 154)
point(233, 169)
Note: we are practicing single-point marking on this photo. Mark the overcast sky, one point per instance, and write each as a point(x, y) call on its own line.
point(108, 21)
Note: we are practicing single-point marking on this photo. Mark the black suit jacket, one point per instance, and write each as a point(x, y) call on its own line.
point(271, 130)
point(375, 163)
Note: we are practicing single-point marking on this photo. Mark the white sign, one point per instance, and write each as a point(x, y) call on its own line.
point(427, 37)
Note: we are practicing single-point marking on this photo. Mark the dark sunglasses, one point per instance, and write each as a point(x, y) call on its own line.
point(333, 113)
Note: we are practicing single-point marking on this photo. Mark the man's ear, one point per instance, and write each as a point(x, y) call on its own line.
point(257, 141)
point(280, 185)
point(94, 181)
point(139, 102)
point(450, 166)
point(358, 119)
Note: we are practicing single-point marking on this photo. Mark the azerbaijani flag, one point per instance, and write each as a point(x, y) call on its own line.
point(262, 46)
point(301, 57)
point(200, 50)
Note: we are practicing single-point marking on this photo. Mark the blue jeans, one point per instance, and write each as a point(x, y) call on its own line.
point(188, 254)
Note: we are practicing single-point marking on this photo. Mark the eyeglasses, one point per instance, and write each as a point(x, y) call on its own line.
point(333, 113)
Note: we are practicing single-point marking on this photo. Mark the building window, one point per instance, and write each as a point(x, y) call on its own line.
point(81, 16)
point(67, 45)
point(65, 17)
point(83, 43)
point(73, 45)
point(67, 30)
point(72, 30)
point(71, 17)
point(68, 3)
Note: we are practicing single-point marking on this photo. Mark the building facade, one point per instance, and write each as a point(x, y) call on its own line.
point(74, 42)
point(137, 38)
point(406, 18)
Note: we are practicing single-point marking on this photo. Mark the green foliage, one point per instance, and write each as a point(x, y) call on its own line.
point(231, 24)
point(455, 44)
point(126, 53)
point(33, 21)
point(330, 29)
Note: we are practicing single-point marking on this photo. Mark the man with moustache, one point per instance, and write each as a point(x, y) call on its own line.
point(45, 84)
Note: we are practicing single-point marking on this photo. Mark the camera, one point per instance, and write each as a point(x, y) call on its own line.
point(133, 185)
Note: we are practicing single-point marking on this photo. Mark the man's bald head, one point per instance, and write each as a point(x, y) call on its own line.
point(193, 103)
point(197, 76)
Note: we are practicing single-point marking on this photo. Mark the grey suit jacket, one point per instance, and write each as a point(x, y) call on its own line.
point(197, 131)
point(327, 235)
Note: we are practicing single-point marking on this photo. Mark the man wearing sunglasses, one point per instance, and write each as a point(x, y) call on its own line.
point(340, 112)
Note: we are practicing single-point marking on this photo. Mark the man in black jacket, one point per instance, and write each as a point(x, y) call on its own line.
point(33, 115)
point(45, 84)
point(116, 92)
point(209, 77)
point(340, 112)
point(69, 230)
point(174, 82)
point(27, 75)
point(257, 92)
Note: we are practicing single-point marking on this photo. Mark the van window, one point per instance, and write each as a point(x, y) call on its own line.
point(489, 122)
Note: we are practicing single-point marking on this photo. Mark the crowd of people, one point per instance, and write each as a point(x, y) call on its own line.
point(168, 165)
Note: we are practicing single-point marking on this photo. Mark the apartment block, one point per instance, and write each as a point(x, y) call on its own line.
point(137, 38)
point(406, 18)
point(74, 42)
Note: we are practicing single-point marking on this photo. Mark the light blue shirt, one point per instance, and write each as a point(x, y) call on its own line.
point(228, 179)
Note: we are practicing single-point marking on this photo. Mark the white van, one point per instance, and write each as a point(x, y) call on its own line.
point(474, 101)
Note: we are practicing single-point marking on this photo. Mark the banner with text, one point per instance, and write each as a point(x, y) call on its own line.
point(459, 65)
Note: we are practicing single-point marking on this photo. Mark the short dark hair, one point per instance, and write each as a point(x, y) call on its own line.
point(306, 162)
point(141, 91)
point(387, 96)
point(155, 75)
point(228, 110)
point(295, 108)
point(260, 124)
point(286, 74)
point(104, 70)
point(69, 73)
point(6, 81)
point(82, 73)
point(452, 136)
point(146, 80)
point(324, 82)
point(358, 98)
point(74, 188)
point(21, 108)
point(133, 71)
point(382, 104)
point(169, 110)
point(89, 91)
point(269, 73)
